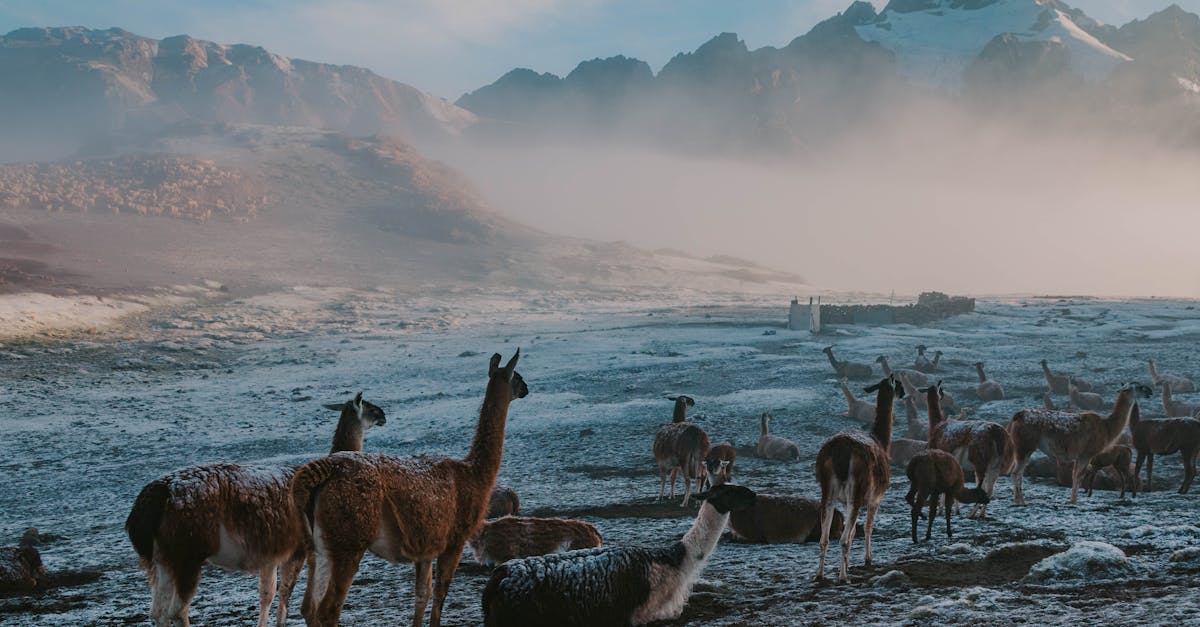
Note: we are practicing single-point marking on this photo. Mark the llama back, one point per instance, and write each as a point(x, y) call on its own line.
point(515, 537)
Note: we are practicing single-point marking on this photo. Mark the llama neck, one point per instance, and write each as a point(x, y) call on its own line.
point(979, 369)
point(1166, 396)
point(488, 446)
point(701, 540)
point(349, 433)
point(849, 395)
point(910, 413)
point(1153, 370)
point(1116, 422)
point(833, 361)
point(680, 414)
point(765, 429)
point(1135, 416)
point(882, 429)
point(1046, 371)
point(937, 357)
point(887, 370)
point(936, 416)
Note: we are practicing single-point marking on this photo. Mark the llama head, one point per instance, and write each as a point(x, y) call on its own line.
point(727, 497)
point(367, 413)
point(1138, 390)
point(880, 359)
point(921, 348)
point(509, 373)
point(683, 400)
point(1043, 362)
point(889, 383)
point(978, 364)
point(981, 495)
point(720, 471)
point(937, 387)
point(827, 350)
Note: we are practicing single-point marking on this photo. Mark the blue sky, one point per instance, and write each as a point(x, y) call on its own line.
point(451, 46)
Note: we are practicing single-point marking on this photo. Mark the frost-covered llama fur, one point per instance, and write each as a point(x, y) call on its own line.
point(846, 369)
point(236, 517)
point(1071, 438)
point(931, 476)
point(773, 446)
point(987, 446)
point(20, 569)
point(1164, 436)
point(413, 509)
point(680, 448)
point(611, 585)
point(1177, 409)
point(858, 409)
point(718, 465)
point(781, 519)
point(1178, 383)
point(1061, 383)
point(1119, 458)
point(987, 390)
point(852, 469)
point(514, 537)
point(914, 377)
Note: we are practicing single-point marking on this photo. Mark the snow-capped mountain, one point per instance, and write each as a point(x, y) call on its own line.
point(935, 41)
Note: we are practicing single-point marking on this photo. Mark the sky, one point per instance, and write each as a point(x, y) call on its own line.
point(449, 47)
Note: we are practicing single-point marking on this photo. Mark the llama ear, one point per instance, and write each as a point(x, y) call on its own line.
point(511, 366)
point(334, 406)
point(494, 364)
point(358, 399)
point(691, 402)
point(672, 398)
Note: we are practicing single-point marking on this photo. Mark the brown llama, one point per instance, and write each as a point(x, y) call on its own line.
point(514, 537)
point(903, 450)
point(413, 509)
point(933, 475)
point(235, 517)
point(20, 569)
point(1164, 436)
point(503, 502)
point(987, 390)
point(853, 470)
point(1061, 383)
point(1070, 438)
point(1120, 459)
point(680, 448)
point(718, 465)
point(773, 446)
point(846, 369)
point(987, 446)
point(781, 520)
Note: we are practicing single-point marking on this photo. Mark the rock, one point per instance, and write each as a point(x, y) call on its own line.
point(1087, 560)
point(891, 579)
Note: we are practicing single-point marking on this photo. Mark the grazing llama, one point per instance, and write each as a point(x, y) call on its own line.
point(853, 470)
point(985, 445)
point(1177, 409)
point(914, 377)
point(1061, 383)
point(781, 520)
point(933, 475)
point(1178, 383)
point(412, 509)
point(860, 410)
point(611, 585)
point(680, 448)
point(236, 517)
point(503, 502)
point(846, 369)
point(1164, 436)
point(1120, 459)
point(514, 537)
point(987, 390)
point(1070, 438)
point(773, 446)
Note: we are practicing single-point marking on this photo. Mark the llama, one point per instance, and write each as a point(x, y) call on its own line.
point(1047, 402)
point(773, 446)
point(915, 428)
point(1120, 459)
point(20, 568)
point(514, 537)
point(860, 410)
point(236, 517)
point(781, 520)
point(852, 469)
point(1178, 384)
point(902, 450)
point(1164, 436)
point(1068, 437)
point(1177, 409)
point(948, 404)
point(931, 476)
point(503, 502)
point(924, 364)
point(611, 585)
point(914, 377)
point(1087, 401)
point(987, 446)
point(718, 465)
point(846, 369)
point(401, 508)
point(1061, 383)
point(987, 390)
point(680, 448)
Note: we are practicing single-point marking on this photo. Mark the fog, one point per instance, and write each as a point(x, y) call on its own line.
point(957, 205)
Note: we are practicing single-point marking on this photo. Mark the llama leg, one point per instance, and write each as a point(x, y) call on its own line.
point(674, 476)
point(868, 527)
point(187, 578)
point(949, 534)
point(662, 482)
point(162, 590)
point(1018, 477)
point(1075, 481)
point(827, 508)
point(687, 488)
point(267, 580)
point(340, 570)
point(423, 591)
point(916, 513)
point(1150, 472)
point(289, 572)
point(447, 563)
point(1189, 471)
point(1137, 472)
point(1089, 480)
point(847, 538)
point(933, 506)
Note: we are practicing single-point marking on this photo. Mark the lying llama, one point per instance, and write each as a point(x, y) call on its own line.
point(514, 537)
point(414, 509)
point(948, 404)
point(236, 517)
point(611, 585)
point(860, 410)
point(987, 390)
point(931, 476)
point(915, 377)
point(679, 448)
point(924, 364)
point(1177, 409)
point(846, 369)
point(915, 427)
point(987, 446)
point(1178, 383)
point(1164, 436)
point(1087, 401)
point(781, 520)
point(902, 450)
point(1061, 383)
point(853, 470)
point(1120, 459)
point(1070, 438)
point(773, 446)
point(20, 566)
point(503, 502)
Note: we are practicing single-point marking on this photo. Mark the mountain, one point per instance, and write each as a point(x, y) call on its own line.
point(78, 83)
point(1165, 48)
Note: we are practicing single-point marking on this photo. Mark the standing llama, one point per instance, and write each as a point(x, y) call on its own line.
point(933, 475)
point(773, 446)
point(1119, 458)
point(413, 509)
point(680, 448)
point(853, 470)
point(1070, 438)
point(987, 446)
point(1164, 436)
point(236, 517)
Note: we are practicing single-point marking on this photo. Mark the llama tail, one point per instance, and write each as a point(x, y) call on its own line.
point(145, 517)
point(306, 484)
point(841, 463)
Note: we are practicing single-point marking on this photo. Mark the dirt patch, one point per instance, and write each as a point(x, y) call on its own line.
point(1002, 566)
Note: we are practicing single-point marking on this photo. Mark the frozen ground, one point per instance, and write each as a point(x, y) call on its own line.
point(87, 422)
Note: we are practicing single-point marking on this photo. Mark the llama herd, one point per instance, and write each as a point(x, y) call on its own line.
point(328, 513)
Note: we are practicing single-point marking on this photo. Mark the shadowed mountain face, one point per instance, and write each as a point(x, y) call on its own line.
point(75, 84)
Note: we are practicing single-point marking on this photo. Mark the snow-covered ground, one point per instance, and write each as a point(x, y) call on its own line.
point(87, 422)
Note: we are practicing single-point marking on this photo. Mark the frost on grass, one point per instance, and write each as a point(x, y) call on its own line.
point(1084, 560)
point(971, 600)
